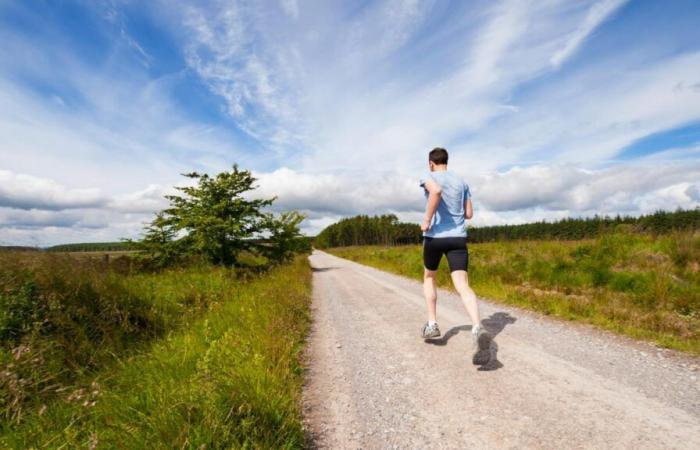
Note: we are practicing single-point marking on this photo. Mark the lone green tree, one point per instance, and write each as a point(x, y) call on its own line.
point(216, 220)
point(159, 241)
point(284, 239)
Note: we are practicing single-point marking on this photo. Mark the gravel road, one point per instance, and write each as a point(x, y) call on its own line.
point(372, 382)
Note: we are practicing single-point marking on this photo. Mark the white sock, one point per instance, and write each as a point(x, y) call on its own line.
point(476, 328)
point(431, 323)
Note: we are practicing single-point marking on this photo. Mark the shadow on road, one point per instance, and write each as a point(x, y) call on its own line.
point(454, 331)
point(322, 269)
point(494, 324)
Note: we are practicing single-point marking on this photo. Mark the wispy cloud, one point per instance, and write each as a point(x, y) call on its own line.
point(334, 106)
point(227, 53)
point(597, 13)
point(591, 116)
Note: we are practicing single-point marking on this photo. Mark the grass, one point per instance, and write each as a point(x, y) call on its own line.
point(211, 359)
point(643, 286)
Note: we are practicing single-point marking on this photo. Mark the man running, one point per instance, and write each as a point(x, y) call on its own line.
point(444, 232)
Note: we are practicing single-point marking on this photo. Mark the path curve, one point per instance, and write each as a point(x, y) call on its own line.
point(373, 383)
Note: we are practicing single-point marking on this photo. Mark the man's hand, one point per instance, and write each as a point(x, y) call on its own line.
point(425, 226)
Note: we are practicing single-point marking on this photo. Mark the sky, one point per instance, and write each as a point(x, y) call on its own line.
point(548, 109)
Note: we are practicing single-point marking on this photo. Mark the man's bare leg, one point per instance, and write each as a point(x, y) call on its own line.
point(461, 284)
point(481, 339)
point(430, 293)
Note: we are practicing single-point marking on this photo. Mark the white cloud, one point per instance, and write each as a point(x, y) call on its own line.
point(148, 200)
point(28, 192)
point(48, 234)
point(35, 208)
point(339, 195)
point(631, 188)
point(517, 195)
point(311, 227)
point(19, 218)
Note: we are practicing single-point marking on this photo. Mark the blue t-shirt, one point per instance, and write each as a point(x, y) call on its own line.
point(448, 220)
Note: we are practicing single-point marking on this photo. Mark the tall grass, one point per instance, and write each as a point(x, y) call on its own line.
point(640, 285)
point(61, 317)
point(185, 358)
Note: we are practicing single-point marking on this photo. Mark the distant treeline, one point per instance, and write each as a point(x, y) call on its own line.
point(387, 230)
point(92, 247)
point(18, 248)
point(366, 230)
point(660, 222)
point(110, 246)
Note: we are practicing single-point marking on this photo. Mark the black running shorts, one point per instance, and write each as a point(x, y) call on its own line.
point(454, 247)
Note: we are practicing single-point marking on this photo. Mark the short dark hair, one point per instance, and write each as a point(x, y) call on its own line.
point(438, 155)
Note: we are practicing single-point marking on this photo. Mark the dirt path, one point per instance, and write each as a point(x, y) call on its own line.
point(374, 383)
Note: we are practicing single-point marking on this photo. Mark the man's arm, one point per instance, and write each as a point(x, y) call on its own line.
point(468, 210)
point(434, 193)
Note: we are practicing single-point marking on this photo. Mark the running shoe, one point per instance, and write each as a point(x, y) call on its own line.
point(430, 331)
point(481, 347)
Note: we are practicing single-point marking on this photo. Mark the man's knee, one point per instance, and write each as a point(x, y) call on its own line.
point(460, 279)
point(429, 274)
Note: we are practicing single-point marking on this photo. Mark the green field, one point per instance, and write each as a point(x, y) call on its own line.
point(100, 354)
point(640, 285)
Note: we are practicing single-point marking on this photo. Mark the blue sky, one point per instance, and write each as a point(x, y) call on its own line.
point(549, 109)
